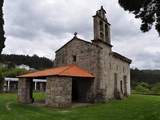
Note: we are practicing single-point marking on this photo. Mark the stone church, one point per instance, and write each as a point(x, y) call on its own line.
point(84, 71)
point(111, 70)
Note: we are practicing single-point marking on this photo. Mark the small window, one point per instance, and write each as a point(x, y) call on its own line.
point(74, 58)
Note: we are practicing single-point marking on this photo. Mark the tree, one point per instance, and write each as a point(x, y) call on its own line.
point(9, 72)
point(31, 61)
point(2, 38)
point(146, 10)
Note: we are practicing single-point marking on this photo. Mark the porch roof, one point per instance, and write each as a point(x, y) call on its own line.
point(68, 71)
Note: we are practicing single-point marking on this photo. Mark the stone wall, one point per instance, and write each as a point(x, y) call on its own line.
point(104, 72)
point(25, 90)
point(122, 69)
point(59, 91)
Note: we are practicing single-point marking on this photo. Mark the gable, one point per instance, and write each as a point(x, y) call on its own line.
point(72, 40)
point(76, 39)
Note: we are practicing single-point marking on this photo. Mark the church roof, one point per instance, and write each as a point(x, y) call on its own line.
point(68, 71)
point(76, 38)
point(117, 55)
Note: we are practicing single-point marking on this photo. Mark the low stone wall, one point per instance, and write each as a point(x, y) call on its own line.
point(59, 91)
point(25, 90)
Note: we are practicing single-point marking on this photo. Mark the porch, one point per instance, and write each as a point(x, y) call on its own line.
point(65, 85)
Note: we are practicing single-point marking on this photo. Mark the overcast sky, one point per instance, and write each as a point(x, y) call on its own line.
point(42, 26)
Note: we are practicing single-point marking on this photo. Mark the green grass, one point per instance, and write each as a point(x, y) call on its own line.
point(136, 107)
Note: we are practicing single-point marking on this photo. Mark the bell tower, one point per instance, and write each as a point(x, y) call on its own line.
point(101, 27)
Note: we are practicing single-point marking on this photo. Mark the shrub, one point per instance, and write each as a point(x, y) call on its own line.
point(156, 88)
point(142, 88)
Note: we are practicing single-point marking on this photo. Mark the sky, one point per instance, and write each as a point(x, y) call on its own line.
point(42, 26)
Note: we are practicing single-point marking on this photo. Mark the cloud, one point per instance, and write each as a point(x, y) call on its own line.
point(42, 26)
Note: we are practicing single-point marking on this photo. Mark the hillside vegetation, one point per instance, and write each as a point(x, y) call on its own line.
point(8, 65)
point(147, 76)
point(34, 61)
point(145, 81)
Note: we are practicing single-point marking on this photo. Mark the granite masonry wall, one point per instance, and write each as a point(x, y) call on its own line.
point(103, 74)
point(25, 90)
point(122, 71)
point(59, 91)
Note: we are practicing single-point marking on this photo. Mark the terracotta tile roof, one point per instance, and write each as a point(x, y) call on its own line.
point(69, 71)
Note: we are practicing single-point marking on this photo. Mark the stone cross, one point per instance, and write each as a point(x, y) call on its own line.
point(75, 34)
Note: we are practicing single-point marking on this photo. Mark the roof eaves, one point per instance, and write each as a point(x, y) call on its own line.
point(115, 54)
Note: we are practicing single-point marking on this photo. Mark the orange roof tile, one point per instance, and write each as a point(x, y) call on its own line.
point(69, 71)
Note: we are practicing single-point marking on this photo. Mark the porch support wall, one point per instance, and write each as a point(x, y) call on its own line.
point(25, 90)
point(59, 91)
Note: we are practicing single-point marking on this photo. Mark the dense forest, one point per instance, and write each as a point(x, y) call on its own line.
point(145, 81)
point(147, 76)
point(32, 61)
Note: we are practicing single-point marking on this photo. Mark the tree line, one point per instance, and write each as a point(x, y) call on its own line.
point(145, 81)
point(34, 61)
point(146, 76)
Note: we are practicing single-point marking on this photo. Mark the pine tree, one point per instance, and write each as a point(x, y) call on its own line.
point(146, 10)
point(2, 38)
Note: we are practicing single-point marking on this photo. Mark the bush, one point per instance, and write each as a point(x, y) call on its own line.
point(142, 88)
point(13, 72)
point(9, 72)
point(156, 88)
point(146, 85)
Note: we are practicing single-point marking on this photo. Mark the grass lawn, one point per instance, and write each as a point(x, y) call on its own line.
point(136, 107)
